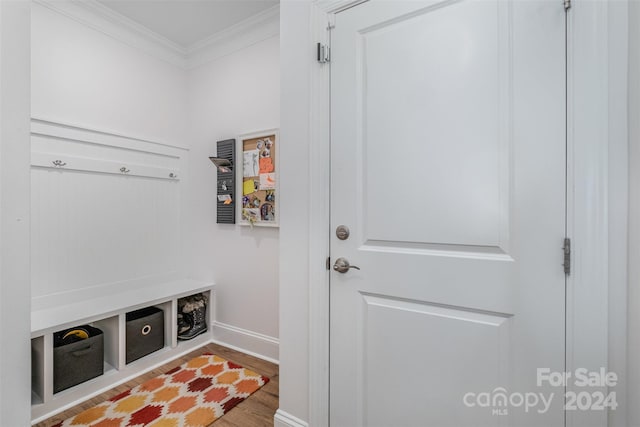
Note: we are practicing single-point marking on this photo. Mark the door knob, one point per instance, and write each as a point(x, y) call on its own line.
point(342, 265)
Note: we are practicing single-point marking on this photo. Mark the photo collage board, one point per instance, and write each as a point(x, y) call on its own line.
point(259, 179)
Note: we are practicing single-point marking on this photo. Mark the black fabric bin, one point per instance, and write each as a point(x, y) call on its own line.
point(77, 360)
point(145, 332)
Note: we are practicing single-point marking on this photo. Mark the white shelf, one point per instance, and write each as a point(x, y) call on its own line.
point(55, 313)
point(108, 313)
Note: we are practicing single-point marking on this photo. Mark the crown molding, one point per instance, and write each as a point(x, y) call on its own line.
point(100, 18)
point(95, 15)
point(252, 30)
point(119, 19)
point(335, 6)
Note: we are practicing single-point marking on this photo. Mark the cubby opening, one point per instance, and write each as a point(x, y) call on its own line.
point(146, 332)
point(207, 317)
point(110, 331)
point(78, 356)
point(37, 370)
point(167, 308)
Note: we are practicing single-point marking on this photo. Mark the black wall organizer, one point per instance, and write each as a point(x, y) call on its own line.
point(225, 162)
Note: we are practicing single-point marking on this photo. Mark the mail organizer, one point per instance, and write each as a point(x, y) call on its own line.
point(145, 332)
point(226, 211)
point(78, 356)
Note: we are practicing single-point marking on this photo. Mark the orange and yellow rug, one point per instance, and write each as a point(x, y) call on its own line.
point(192, 395)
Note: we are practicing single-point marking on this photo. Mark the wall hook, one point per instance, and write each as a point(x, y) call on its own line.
point(173, 175)
point(58, 163)
point(124, 170)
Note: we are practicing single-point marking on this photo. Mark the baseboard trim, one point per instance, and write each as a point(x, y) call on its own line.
point(284, 419)
point(249, 342)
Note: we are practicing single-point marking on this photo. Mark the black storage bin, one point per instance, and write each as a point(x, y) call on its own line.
point(76, 360)
point(145, 332)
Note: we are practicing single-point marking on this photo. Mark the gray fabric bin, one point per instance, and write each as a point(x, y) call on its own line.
point(77, 360)
point(145, 332)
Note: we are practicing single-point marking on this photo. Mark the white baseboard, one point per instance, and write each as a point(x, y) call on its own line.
point(249, 342)
point(284, 419)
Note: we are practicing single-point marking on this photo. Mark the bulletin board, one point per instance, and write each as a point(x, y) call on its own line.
point(258, 178)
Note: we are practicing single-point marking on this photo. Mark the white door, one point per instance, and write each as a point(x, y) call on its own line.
point(448, 168)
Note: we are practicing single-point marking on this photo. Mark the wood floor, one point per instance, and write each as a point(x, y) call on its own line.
point(255, 411)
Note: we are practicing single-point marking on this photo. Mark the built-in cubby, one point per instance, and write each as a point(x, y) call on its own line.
point(107, 312)
point(168, 307)
point(37, 370)
point(106, 240)
point(110, 329)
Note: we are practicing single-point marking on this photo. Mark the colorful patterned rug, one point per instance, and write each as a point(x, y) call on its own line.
point(192, 395)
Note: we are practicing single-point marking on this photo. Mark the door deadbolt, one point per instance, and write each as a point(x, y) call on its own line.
point(342, 232)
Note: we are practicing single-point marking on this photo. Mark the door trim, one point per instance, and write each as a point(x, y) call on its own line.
point(587, 201)
point(322, 13)
point(593, 160)
point(15, 216)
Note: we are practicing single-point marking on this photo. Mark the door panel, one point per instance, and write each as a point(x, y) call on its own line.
point(435, 136)
point(448, 165)
point(446, 334)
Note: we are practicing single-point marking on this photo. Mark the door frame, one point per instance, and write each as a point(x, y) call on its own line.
point(590, 192)
point(15, 192)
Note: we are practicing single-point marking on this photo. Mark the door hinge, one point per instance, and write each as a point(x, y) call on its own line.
point(567, 4)
point(324, 53)
point(567, 256)
point(328, 263)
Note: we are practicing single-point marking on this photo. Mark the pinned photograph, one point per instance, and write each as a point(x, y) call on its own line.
point(251, 165)
point(267, 213)
point(267, 181)
point(251, 214)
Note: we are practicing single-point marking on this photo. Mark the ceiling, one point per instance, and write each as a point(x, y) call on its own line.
point(186, 22)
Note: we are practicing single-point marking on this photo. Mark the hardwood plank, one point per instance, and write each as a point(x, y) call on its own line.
point(257, 410)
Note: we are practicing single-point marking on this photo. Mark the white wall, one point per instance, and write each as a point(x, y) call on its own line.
point(296, 62)
point(85, 77)
point(15, 368)
point(633, 305)
point(235, 94)
point(92, 230)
